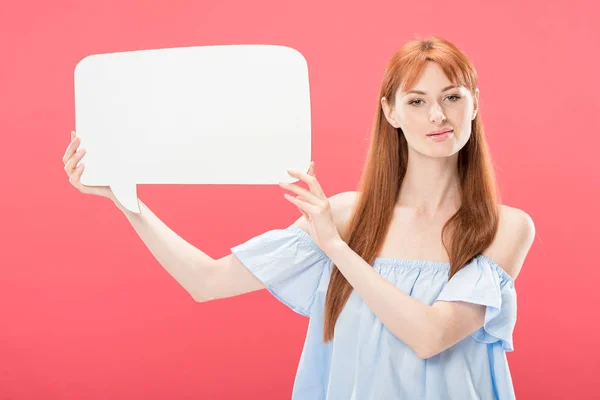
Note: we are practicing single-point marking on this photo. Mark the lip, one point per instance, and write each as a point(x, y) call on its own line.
point(442, 136)
point(439, 132)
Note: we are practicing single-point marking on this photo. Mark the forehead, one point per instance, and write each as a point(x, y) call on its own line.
point(433, 79)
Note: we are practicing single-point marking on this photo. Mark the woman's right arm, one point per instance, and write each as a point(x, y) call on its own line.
point(203, 277)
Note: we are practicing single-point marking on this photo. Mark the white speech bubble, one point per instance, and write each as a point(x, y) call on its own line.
point(232, 114)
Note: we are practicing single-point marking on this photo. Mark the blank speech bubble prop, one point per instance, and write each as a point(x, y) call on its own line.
point(232, 114)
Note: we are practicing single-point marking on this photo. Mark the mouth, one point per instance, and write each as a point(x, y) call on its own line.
point(440, 132)
point(440, 136)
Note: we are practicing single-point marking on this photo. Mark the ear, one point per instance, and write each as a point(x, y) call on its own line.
point(475, 104)
point(388, 112)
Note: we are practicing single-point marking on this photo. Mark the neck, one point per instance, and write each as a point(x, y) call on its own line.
point(431, 185)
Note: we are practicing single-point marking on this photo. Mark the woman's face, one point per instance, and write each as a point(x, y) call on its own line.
point(437, 105)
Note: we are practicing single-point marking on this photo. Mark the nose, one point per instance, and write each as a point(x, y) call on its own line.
point(437, 114)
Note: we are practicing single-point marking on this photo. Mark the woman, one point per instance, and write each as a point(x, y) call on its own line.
point(415, 270)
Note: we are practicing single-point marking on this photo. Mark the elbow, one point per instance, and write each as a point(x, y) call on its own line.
point(433, 347)
point(201, 297)
point(426, 351)
point(425, 354)
point(203, 283)
point(198, 298)
point(433, 340)
point(422, 350)
point(429, 347)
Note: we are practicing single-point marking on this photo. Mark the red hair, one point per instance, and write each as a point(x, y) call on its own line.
point(471, 229)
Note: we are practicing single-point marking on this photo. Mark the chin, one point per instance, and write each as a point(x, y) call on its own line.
point(438, 151)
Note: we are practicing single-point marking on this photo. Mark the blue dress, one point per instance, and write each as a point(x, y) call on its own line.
point(365, 360)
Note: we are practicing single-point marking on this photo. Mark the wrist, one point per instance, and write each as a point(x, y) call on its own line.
point(334, 247)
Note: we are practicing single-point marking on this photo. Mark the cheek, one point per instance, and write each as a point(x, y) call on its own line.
point(466, 112)
point(411, 121)
point(465, 128)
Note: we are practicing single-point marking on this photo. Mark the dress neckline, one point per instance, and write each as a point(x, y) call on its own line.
point(404, 262)
point(436, 265)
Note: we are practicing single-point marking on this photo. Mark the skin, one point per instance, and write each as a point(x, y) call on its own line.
point(73, 167)
point(429, 195)
point(431, 183)
point(430, 191)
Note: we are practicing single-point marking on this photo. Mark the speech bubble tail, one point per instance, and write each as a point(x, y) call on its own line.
point(126, 194)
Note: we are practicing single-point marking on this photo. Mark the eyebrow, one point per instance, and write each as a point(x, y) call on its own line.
point(423, 93)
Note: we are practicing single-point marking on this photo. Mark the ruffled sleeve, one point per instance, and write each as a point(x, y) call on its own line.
point(288, 262)
point(483, 281)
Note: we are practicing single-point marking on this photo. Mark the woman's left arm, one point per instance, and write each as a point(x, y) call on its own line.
point(428, 330)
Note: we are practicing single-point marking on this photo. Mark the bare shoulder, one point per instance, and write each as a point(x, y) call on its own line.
point(341, 205)
point(515, 235)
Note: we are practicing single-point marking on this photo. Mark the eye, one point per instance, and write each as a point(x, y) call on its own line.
point(454, 98)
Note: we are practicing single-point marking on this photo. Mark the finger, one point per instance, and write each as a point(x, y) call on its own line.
point(311, 181)
point(72, 162)
point(303, 205)
point(71, 149)
point(311, 169)
point(308, 196)
point(301, 210)
point(75, 178)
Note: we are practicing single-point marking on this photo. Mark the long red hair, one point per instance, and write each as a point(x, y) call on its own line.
point(471, 229)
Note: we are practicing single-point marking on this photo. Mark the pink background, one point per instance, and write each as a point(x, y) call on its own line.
point(94, 316)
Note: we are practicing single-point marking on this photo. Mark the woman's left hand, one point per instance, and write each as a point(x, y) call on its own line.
point(315, 207)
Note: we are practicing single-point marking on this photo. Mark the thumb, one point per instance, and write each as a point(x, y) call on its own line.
point(311, 168)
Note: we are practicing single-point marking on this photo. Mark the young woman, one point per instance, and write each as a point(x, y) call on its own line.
point(409, 281)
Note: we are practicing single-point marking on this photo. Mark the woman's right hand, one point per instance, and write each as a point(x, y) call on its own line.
point(70, 159)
